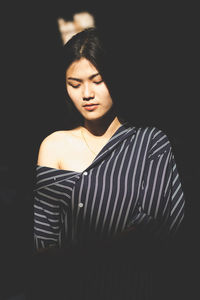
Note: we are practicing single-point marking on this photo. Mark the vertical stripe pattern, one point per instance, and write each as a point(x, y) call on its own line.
point(133, 181)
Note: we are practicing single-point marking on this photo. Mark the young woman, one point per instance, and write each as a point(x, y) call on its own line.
point(103, 177)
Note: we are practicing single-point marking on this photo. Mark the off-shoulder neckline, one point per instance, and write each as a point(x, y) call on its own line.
point(56, 169)
point(78, 172)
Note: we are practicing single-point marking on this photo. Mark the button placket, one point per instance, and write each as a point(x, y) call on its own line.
point(80, 204)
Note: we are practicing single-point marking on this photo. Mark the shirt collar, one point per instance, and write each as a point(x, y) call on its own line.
point(124, 131)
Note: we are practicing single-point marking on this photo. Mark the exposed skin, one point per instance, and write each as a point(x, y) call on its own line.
point(76, 149)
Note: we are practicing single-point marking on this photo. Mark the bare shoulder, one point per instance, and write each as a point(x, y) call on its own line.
point(56, 145)
point(52, 147)
point(58, 137)
point(51, 140)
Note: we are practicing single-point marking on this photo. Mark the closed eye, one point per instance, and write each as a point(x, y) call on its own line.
point(74, 85)
point(98, 82)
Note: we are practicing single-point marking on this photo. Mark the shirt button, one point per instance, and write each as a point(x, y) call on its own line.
point(85, 173)
point(80, 204)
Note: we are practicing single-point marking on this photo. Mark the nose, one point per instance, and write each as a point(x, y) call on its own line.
point(88, 92)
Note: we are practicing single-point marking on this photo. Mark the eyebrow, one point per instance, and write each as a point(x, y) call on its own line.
point(80, 80)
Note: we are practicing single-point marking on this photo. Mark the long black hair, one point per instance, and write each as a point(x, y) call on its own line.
point(96, 47)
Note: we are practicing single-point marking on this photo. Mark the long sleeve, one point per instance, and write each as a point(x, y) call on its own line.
point(47, 219)
point(174, 192)
point(161, 203)
point(52, 207)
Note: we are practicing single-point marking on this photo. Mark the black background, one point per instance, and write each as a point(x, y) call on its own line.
point(158, 46)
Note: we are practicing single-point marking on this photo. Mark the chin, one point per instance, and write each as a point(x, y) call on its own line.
point(95, 116)
point(92, 116)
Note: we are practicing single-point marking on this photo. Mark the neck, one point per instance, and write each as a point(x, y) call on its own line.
point(103, 127)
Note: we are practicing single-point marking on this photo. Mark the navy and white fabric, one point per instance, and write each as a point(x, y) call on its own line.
point(132, 182)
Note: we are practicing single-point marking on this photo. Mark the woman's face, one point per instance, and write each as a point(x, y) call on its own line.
point(87, 90)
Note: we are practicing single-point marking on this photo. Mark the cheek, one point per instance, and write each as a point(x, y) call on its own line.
point(106, 95)
point(108, 99)
point(72, 94)
point(69, 91)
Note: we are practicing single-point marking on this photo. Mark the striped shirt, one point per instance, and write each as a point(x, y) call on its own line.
point(133, 181)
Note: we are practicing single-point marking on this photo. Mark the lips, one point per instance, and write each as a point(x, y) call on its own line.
point(90, 106)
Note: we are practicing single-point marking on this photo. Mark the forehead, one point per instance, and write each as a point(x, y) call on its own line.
point(81, 68)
